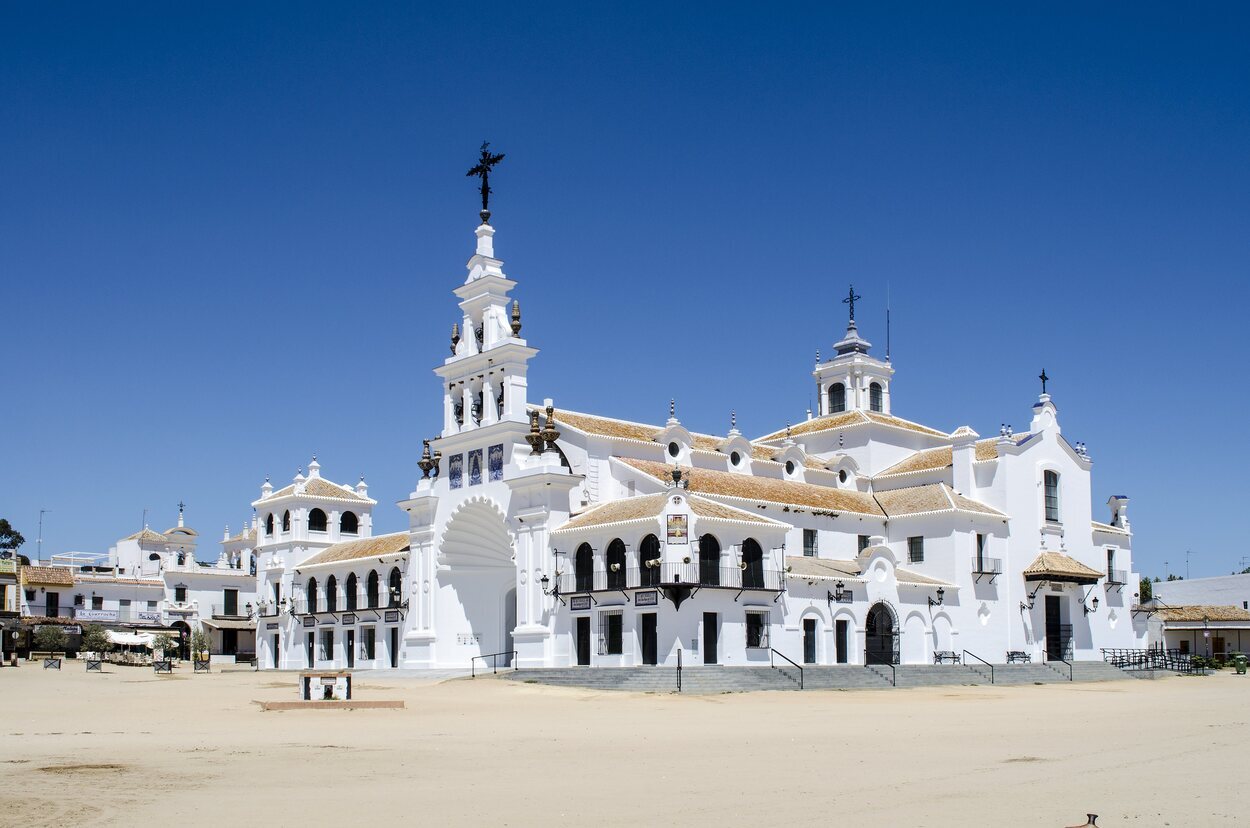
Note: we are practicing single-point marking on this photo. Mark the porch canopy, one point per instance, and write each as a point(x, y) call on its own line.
point(130, 639)
point(1055, 566)
point(229, 623)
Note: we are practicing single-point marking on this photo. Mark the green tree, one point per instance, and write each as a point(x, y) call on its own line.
point(166, 643)
point(10, 538)
point(1176, 577)
point(95, 640)
point(51, 638)
point(1146, 591)
point(200, 645)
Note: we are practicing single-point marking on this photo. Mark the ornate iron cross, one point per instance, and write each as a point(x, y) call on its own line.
point(1042, 376)
point(482, 171)
point(850, 300)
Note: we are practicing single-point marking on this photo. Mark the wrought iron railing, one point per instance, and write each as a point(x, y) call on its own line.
point(666, 574)
point(494, 662)
point(982, 565)
point(231, 611)
point(977, 669)
point(1151, 659)
point(1117, 577)
point(361, 602)
point(792, 662)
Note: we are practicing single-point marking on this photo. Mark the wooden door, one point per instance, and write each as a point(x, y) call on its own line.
point(583, 641)
point(710, 638)
point(649, 648)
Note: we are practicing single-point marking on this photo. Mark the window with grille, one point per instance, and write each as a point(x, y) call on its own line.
point(757, 630)
point(874, 397)
point(837, 398)
point(863, 543)
point(809, 543)
point(610, 632)
point(1050, 482)
point(915, 550)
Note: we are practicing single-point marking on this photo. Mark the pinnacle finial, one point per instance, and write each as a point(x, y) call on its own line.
point(733, 419)
point(672, 407)
point(486, 161)
point(851, 298)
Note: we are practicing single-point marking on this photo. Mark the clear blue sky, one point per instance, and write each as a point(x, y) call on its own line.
point(228, 235)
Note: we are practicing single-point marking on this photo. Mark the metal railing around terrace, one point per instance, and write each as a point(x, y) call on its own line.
point(1151, 659)
point(1117, 577)
point(360, 602)
point(667, 574)
point(982, 565)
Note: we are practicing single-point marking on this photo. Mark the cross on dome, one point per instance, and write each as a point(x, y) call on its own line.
point(850, 299)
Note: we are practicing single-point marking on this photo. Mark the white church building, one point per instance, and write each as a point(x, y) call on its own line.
point(853, 537)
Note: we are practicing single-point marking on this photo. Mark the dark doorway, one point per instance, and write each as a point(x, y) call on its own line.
point(582, 641)
point(394, 647)
point(709, 637)
point(230, 642)
point(350, 648)
point(881, 639)
point(275, 651)
point(649, 648)
point(840, 630)
point(51, 604)
point(310, 645)
point(1058, 634)
point(809, 641)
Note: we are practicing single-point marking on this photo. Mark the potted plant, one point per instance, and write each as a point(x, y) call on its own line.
point(163, 644)
point(201, 645)
point(51, 639)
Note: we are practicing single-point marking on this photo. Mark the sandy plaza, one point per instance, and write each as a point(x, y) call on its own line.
point(197, 750)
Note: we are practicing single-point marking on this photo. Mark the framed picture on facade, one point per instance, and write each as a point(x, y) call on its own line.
point(678, 528)
point(494, 459)
point(455, 466)
point(475, 467)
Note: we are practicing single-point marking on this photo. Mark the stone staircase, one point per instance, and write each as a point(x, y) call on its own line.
point(707, 680)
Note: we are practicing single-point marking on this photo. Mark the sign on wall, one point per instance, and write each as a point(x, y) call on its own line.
point(475, 467)
point(149, 615)
point(494, 458)
point(310, 621)
point(579, 603)
point(349, 618)
point(272, 625)
point(95, 614)
point(455, 466)
point(649, 598)
point(391, 616)
point(678, 528)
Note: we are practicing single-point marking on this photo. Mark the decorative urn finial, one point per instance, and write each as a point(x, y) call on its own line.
point(426, 463)
point(455, 337)
point(550, 434)
point(516, 318)
point(535, 437)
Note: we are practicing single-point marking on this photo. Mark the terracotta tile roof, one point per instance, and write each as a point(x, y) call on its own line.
point(749, 487)
point(646, 507)
point(929, 499)
point(626, 430)
point(367, 548)
point(1107, 527)
point(47, 575)
point(121, 579)
point(147, 534)
point(246, 535)
point(1056, 566)
point(940, 457)
point(850, 419)
point(320, 487)
point(1202, 613)
point(827, 569)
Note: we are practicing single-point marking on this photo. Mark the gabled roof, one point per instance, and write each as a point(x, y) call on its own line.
point(647, 507)
point(940, 457)
point(932, 498)
point(320, 487)
point(850, 419)
point(367, 548)
point(1056, 566)
point(772, 490)
point(246, 535)
point(47, 576)
point(146, 534)
point(829, 569)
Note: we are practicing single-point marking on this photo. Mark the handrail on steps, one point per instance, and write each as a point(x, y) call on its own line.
point(494, 664)
point(679, 669)
point(1049, 661)
point(983, 661)
point(893, 672)
point(772, 652)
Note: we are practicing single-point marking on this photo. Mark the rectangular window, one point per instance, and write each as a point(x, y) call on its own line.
point(97, 602)
point(757, 630)
point(368, 643)
point(327, 645)
point(180, 594)
point(1050, 482)
point(915, 550)
point(152, 605)
point(610, 632)
point(810, 542)
point(863, 543)
point(1111, 564)
point(980, 552)
point(78, 600)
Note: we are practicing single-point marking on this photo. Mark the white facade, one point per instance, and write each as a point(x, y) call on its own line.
point(567, 538)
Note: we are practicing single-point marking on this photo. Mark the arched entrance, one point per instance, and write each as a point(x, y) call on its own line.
point(183, 631)
point(881, 636)
point(477, 606)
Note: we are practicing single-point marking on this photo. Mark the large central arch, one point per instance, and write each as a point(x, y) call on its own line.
point(476, 584)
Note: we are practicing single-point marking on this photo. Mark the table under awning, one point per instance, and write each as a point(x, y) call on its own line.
point(229, 623)
point(1056, 566)
point(130, 639)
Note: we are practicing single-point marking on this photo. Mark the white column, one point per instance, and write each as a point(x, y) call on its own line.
point(489, 413)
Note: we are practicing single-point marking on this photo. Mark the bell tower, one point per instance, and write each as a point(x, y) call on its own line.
point(853, 380)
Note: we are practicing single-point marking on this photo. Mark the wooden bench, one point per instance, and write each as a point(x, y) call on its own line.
point(945, 656)
point(1018, 657)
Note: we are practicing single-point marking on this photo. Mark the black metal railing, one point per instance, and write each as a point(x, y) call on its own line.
point(892, 678)
point(981, 565)
point(1059, 641)
point(792, 662)
point(679, 669)
point(230, 610)
point(494, 662)
point(983, 661)
point(667, 574)
point(363, 602)
point(1152, 659)
point(1117, 577)
point(1051, 662)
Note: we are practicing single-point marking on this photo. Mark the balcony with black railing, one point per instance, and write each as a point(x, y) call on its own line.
point(983, 565)
point(1117, 577)
point(671, 574)
point(362, 601)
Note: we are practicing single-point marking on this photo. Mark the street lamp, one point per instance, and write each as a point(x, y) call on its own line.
point(837, 595)
point(1089, 611)
point(941, 596)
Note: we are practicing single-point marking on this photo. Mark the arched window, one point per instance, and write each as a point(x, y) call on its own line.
point(395, 586)
point(649, 561)
point(1050, 484)
point(269, 524)
point(316, 521)
point(332, 594)
point(709, 560)
point(874, 396)
point(286, 521)
point(880, 636)
point(350, 593)
point(371, 589)
point(584, 569)
point(752, 565)
point(348, 524)
point(616, 564)
point(837, 398)
point(311, 594)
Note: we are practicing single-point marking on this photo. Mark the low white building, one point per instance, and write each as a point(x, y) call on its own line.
point(1223, 590)
point(853, 537)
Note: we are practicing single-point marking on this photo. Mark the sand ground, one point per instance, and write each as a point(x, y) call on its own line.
point(128, 747)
